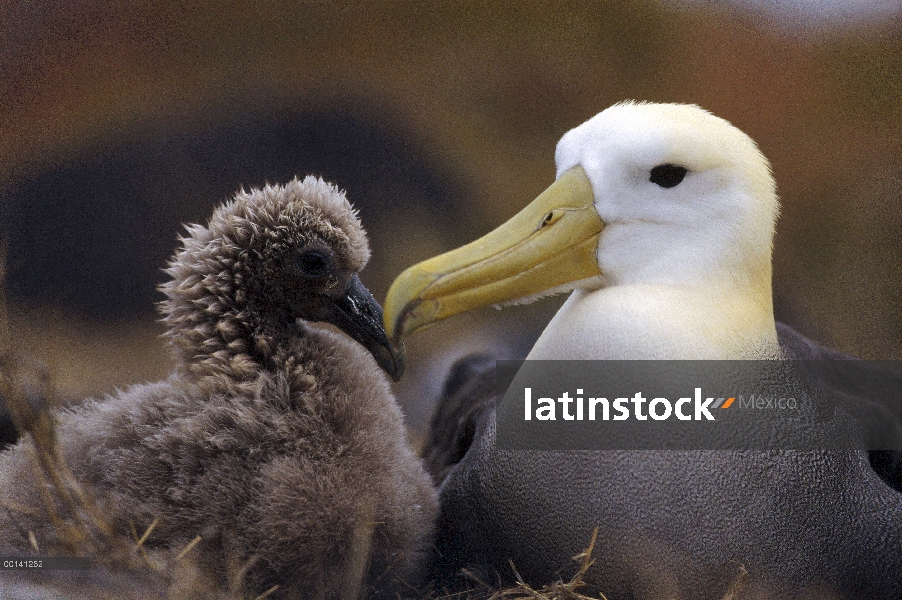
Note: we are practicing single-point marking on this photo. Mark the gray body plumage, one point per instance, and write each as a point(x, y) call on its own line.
point(275, 439)
point(813, 524)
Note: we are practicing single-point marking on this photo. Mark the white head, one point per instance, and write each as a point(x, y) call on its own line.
point(717, 221)
point(660, 195)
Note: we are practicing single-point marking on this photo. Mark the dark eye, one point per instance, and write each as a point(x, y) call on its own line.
point(313, 264)
point(667, 176)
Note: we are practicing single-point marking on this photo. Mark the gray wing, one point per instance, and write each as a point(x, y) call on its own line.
point(866, 382)
point(671, 524)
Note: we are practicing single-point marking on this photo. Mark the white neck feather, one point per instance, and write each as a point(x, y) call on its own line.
point(655, 321)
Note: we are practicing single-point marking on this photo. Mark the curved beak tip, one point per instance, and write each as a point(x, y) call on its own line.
point(358, 314)
point(400, 325)
point(404, 304)
point(398, 353)
point(392, 359)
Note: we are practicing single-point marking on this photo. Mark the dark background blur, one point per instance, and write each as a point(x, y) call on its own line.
point(120, 121)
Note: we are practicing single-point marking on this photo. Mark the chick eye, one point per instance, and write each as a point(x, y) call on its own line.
point(667, 176)
point(313, 264)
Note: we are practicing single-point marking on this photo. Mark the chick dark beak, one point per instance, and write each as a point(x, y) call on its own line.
point(358, 314)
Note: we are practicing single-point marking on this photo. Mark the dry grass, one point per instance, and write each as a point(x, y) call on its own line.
point(521, 591)
point(85, 526)
point(569, 590)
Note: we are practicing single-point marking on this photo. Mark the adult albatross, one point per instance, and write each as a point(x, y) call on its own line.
point(661, 222)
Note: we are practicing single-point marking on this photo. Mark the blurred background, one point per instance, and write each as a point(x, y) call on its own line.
point(119, 121)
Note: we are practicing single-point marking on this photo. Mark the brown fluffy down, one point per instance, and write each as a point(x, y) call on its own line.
point(301, 465)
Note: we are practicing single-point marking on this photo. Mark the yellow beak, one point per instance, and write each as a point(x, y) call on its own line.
point(550, 243)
